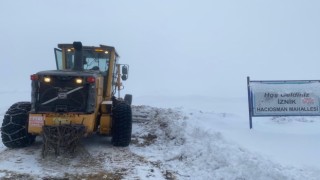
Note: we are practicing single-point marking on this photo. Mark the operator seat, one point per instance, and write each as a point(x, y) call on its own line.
point(95, 68)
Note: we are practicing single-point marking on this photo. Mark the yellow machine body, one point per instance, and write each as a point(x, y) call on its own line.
point(100, 120)
point(76, 99)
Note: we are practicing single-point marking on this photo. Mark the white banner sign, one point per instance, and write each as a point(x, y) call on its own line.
point(285, 98)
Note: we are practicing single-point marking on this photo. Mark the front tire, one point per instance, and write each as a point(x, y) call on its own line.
point(122, 125)
point(14, 130)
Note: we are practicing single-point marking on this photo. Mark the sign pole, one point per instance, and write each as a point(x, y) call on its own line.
point(249, 102)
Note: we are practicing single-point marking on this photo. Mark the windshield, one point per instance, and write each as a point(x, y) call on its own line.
point(92, 60)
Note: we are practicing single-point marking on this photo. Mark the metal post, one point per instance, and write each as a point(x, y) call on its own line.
point(249, 102)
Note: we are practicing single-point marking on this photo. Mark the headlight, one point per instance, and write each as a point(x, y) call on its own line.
point(47, 79)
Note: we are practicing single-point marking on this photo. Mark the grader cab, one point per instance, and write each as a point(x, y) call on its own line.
point(81, 97)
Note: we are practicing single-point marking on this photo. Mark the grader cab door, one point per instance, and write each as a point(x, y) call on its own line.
point(58, 56)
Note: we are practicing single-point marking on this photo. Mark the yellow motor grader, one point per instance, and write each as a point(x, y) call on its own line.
point(81, 97)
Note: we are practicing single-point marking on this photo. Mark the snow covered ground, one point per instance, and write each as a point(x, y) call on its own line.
point(183, 138)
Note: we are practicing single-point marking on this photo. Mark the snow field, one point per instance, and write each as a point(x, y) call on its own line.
point(183, 143)
point(194, 153)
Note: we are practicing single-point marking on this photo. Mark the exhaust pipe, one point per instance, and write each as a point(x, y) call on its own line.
point(78, 62)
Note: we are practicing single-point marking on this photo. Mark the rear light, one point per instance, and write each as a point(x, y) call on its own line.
point(78, 80)
point(34, 77)
point(91, 79)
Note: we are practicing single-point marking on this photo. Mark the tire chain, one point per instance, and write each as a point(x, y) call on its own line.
point(59, 137)
point(22, 111)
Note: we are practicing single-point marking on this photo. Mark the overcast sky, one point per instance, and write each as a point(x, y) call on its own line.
point(173, 47)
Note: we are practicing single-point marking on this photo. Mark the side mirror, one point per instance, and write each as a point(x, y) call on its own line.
point(124, 70)
point(124, 77)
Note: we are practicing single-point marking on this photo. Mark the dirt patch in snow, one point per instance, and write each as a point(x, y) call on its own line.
point(144, 140)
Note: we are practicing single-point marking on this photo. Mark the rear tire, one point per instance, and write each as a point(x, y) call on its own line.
point(121, 125)
point(14, 130)
point(128, 99)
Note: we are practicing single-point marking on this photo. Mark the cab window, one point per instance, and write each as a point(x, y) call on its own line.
point(97, 61)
